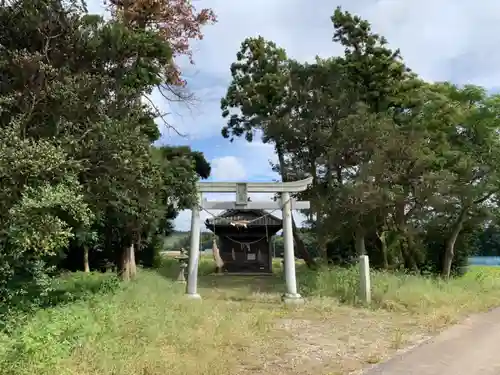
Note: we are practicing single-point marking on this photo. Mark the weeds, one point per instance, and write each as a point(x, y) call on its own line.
point(95, 325)
point(478, 290)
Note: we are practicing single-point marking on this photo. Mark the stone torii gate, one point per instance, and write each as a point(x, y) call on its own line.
point(242, 189)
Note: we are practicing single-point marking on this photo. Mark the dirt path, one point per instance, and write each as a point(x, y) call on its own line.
point(469, 348)
point(344, 341)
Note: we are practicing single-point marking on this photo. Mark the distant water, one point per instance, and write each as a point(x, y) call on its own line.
point(484, 261)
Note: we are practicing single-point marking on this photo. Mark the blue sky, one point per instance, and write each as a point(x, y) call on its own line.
point(453, 40)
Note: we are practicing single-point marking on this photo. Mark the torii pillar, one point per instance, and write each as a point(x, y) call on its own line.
point(242, 189)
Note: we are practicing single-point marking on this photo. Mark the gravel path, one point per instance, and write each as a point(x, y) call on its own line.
point(469, 348)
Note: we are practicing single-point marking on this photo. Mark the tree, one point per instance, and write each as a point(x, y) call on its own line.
point(374, 71)
point(256, 99)
point(391, 156)
point(473, 158)
point(79, 140)
point(177, 22)
point(424, 156)
point(41, 201)
point(42, 198)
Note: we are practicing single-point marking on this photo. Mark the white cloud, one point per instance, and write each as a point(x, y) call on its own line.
point(430, 33)
point(257, 158)
point(228, 168)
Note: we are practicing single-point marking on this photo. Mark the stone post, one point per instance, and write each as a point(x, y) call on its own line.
point(194, 252)
point(291, 296)
point(364, 282)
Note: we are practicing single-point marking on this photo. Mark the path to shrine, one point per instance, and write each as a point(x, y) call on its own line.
point(469, 348)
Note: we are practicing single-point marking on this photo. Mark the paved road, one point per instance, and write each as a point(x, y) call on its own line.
point(470, 348)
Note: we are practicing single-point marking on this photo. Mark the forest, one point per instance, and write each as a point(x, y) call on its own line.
point(404, 170)
point(84, 183)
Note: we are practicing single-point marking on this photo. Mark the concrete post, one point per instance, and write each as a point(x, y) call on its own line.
point(364, 282)
point(194, 252)
point(291, 296)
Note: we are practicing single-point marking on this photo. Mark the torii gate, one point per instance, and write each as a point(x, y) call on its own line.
point(242, 189)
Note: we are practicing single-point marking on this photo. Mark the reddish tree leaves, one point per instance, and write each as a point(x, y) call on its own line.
point(178, 21)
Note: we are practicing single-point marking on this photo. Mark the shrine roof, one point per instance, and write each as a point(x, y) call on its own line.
point(249, 217)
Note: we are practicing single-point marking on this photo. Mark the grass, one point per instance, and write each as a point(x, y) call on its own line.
point(147, 328)
point(478, 290)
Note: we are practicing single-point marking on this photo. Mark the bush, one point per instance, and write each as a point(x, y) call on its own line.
point(150, 255)
point(53, 291)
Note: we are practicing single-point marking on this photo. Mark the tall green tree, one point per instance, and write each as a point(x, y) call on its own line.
point(88, 173)
point(257, 100)
point(473, 157)
point(392, 157)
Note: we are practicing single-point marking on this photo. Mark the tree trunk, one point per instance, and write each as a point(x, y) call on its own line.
point(360, 242)
point(86, 266)
point(322, 244)
point(450, 244)
point(219, 263)
point(301, 248)
point(124, 268)
point(411, 254)
point(383, 243)
point(406, 244)
point(132, 265)
point(406, 253)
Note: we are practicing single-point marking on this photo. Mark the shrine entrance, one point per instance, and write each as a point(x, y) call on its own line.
point(245, 238)
point(285, 204)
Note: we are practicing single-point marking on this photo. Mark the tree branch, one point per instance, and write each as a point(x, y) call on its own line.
point(161, 115)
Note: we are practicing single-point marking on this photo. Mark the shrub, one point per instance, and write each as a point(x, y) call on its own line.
point(150, 255)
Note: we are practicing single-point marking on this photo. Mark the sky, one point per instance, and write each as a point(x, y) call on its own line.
point(445, 40)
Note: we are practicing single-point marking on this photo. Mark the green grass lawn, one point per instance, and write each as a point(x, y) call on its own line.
point(147, 327)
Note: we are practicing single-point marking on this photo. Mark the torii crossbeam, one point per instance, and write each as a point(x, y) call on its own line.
point(286, 204)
